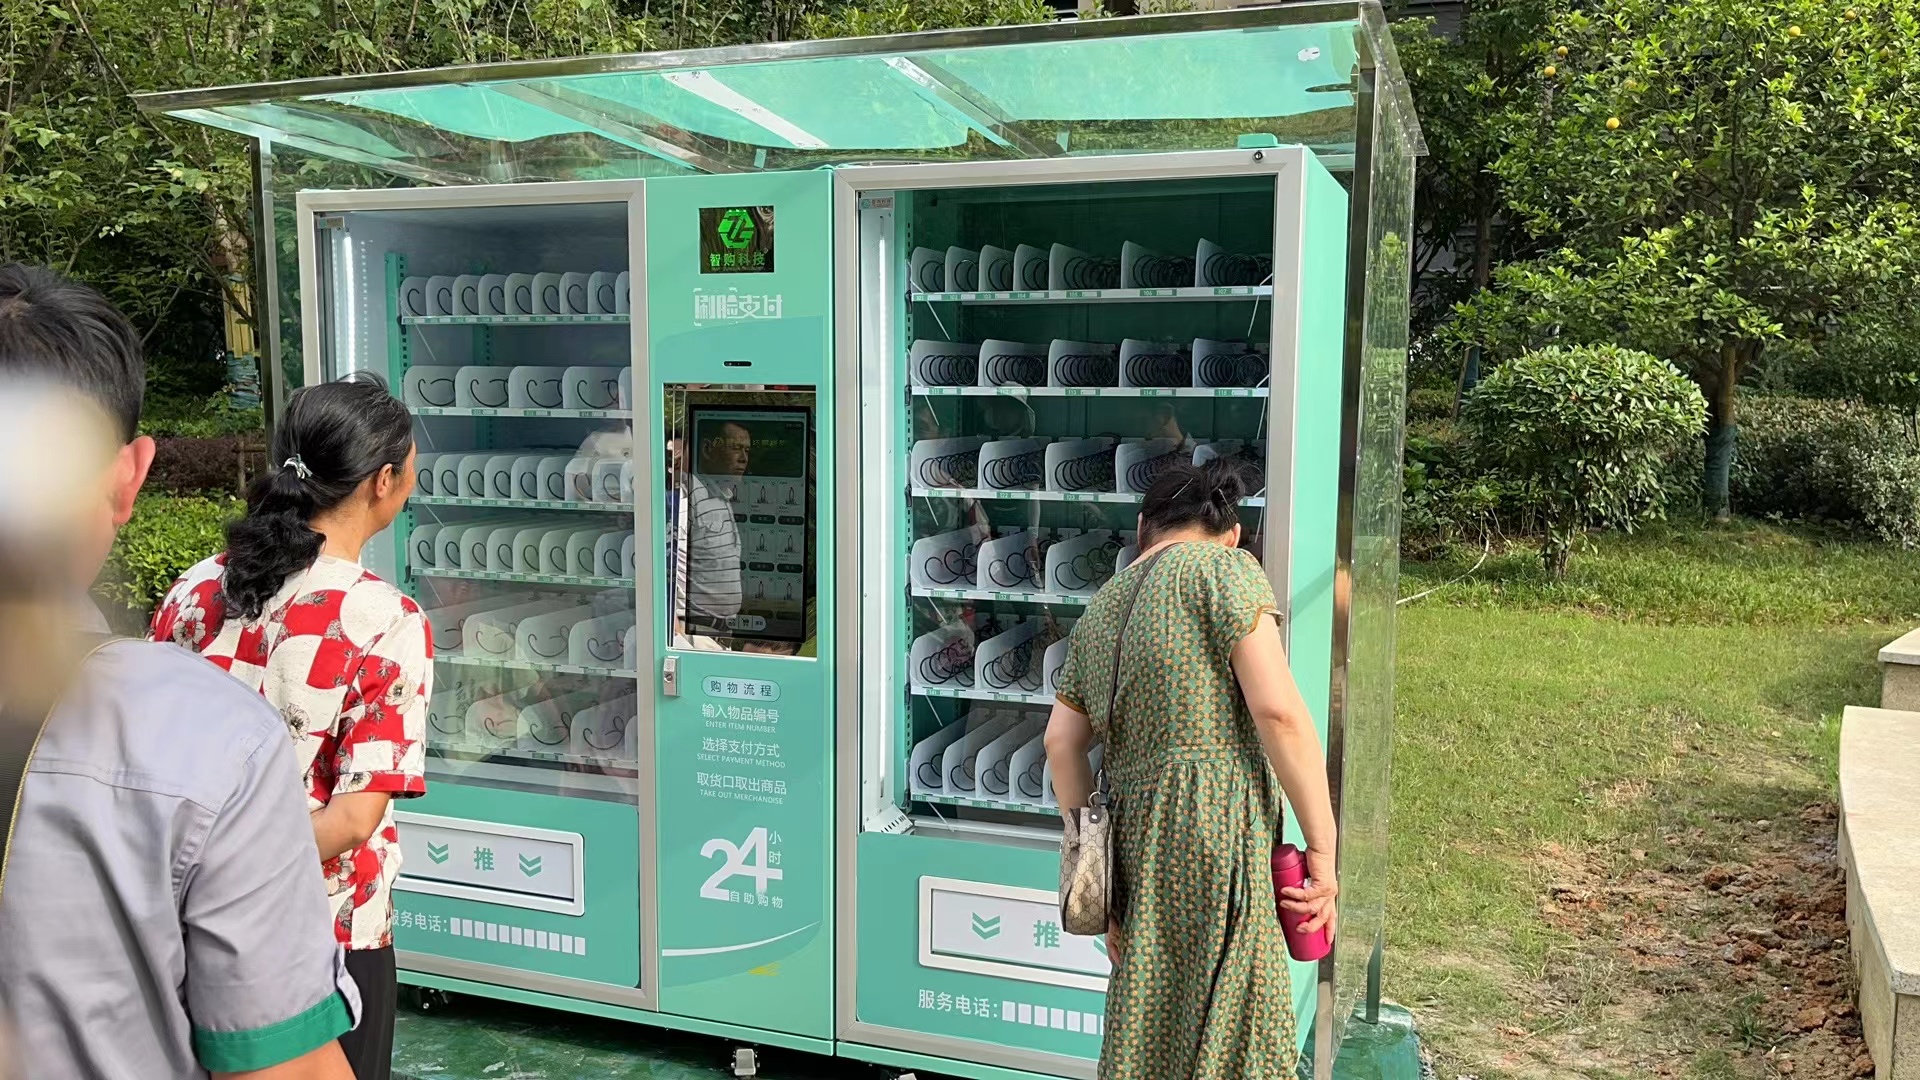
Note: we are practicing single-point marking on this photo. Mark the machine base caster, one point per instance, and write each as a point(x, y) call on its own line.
point(746, 1062)
point(427, 1000)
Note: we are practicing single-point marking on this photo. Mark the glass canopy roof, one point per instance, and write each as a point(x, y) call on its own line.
point(1156, 83)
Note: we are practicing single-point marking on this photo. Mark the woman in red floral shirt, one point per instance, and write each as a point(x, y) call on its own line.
point(345, 656)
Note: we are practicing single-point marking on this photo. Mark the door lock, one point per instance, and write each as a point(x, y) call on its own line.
point(670, 677)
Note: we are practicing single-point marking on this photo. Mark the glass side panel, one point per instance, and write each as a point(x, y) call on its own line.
point(289, 171)
point(1039, 356)
point(1365, 783)
point(506, 330)
point(742, 568)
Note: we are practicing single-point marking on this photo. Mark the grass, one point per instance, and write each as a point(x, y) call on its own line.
point(1675, 702)
point(1744, 573)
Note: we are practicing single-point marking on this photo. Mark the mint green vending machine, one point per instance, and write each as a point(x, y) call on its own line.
point(1034, 343)
point(780, 408)
point(615, 538)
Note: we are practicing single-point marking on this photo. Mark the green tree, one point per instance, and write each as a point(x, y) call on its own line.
point(1713, 177)
point(155, 212)
point(1485, 69)
point(1586, 434)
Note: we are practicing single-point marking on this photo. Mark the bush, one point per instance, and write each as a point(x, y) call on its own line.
point(198, 418)
point(165, 538)
point(1449, 499)
point(1837, 461)
point(1586, 434)
point(1427, 403)
point(194, 466)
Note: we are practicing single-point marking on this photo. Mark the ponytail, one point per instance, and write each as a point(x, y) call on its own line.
point(332, 439)
point(272, 543)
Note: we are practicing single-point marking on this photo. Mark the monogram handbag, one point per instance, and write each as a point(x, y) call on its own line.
point(1086, 848)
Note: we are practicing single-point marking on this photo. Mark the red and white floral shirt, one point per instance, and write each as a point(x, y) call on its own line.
point(348, 661)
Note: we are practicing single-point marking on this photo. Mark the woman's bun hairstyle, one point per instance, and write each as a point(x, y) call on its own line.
point(331, 439)
point(1205, 496)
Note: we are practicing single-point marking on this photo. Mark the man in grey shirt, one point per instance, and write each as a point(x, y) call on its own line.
point(162, 913)
point(709, 537)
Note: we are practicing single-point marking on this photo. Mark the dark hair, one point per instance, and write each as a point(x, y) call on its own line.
point(1207, 496)
point(331, 439)
point(63, 330)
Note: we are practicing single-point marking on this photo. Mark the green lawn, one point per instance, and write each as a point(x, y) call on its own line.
point(1572, 758)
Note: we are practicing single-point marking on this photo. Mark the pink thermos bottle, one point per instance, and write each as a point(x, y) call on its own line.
point(1290, 872)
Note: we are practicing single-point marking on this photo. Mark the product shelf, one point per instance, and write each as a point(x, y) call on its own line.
point(524, 665)
point(974, 694)
point(463, 752)
point(1025, 392)
point(1099, 296)
point(1012, 596)
point(985, 804)
point(552, 414)
point(523, 579)
point(523, 504)
point(515, 320)
point(1029, 495)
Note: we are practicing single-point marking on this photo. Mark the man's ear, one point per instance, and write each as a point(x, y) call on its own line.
point(130, 470)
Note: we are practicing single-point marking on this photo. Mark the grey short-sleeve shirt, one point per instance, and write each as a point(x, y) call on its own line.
point(164, 914)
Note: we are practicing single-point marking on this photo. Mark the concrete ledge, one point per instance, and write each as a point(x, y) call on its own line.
point(1880, 848)
point(1900, 674)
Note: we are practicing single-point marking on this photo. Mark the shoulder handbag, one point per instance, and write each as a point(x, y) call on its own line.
point(20, 731)
point(1086, 849)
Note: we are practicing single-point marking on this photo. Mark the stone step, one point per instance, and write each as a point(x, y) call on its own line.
point(1880, 848)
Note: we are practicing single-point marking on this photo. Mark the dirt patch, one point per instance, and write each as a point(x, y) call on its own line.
point(1723, 954)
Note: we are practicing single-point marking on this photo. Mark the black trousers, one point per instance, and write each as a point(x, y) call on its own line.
point(369, 1047)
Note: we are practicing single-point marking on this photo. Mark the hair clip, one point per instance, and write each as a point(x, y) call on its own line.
point(299, 467)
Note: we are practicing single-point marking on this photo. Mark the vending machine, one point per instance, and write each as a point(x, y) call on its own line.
point(779, 409)
point(743, 656)
point(1023, 349)
point(622, 446)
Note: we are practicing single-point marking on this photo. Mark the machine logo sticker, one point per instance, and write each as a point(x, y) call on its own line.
point(736, 239)
point(735, 230)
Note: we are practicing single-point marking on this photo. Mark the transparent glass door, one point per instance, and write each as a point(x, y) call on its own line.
point(1058, 348)
point(507, 331)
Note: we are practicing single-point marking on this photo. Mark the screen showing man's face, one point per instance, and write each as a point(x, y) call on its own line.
point(727, 452)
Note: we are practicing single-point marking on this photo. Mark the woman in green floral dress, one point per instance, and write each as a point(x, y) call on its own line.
point(1204, 718)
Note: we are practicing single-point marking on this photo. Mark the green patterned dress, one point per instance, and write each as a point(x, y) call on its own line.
point(1202, 992)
